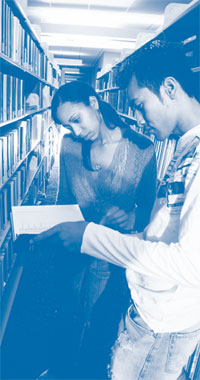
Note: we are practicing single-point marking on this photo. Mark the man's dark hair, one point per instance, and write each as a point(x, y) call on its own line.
point(154, 62)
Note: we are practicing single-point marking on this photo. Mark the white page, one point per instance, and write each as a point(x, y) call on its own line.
point(35, 219)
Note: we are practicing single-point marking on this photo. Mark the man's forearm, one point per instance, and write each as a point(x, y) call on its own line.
point(167, 261)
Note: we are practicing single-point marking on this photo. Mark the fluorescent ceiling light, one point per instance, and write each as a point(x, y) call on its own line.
point(102, 3)
point(90, 17)
point(69, 62)
point(77, 40)
point(72, 73)
point(68, 53)
point(71, 70)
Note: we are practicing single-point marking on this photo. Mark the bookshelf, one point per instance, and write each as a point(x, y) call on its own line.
point(28, 138)
point(184, 28)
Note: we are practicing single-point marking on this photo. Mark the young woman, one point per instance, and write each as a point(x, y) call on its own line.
point(110, 171)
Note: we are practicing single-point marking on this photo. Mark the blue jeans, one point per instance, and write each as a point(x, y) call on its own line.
point(104, 298)
point(96, 277)
point(141, 354)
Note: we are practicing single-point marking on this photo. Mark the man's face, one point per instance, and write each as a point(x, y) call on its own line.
point(155, 114)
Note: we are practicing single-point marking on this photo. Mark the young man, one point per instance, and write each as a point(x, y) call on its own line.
point(162, 326)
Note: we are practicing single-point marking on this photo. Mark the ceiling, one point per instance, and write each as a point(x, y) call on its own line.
point(78, 32)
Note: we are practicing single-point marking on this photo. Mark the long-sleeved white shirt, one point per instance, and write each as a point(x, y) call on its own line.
point(162, 264)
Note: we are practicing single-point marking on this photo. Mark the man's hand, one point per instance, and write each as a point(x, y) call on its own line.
point(119, 219)
point(68, 234)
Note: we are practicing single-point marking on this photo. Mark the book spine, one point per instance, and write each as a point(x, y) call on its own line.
point(4, 97)
point(1, 162)
point(1, 24)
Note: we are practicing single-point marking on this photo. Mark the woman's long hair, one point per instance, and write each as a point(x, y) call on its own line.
point(79, 92)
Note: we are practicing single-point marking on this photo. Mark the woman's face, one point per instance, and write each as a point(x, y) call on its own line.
point(83, 121)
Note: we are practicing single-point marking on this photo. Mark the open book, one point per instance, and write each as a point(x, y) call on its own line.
point(35, 219)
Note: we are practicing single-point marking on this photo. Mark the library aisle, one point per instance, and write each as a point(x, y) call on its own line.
point(52, 187)
point(24, 353)
point(44, 44)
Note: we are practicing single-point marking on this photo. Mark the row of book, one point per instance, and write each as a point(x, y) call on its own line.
point(118, 99)
point(17, 44)
point(123, 105)
point(12, 101)
point(15, 144)
point(107, 80)
point(28, 178)
point(17, 98)
point(45, 154)
point(164, 150)
point(7, 258)
point(24, 187)
point(103, 83)
point(50, 146)
point(13, 195)
point(111, 97)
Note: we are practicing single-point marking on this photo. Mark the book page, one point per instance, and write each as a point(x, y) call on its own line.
point(35, 219)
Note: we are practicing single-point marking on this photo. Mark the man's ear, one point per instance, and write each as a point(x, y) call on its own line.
point(94, 102)
point(170, 87)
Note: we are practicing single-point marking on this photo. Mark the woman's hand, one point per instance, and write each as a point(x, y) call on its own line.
point(68, 234)
point(119, 219)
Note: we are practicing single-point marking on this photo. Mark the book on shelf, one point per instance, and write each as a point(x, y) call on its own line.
point(161, 161)
point(7, 258)
point(1, 275)
point(30, 176)
point(35, 219)
point(16, 143)
point(24, 167)
point(4, 208)
point(9, 98)
point(122, 96)
point(12, 103)
point(17, 44)
point(5, 263)
point(1, 16)
point(4, 79)
point(4, 160)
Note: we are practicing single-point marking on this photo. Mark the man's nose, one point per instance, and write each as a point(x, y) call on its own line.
point(139, 118)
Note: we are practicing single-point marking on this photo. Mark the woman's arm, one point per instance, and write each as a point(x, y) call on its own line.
point(65, 195)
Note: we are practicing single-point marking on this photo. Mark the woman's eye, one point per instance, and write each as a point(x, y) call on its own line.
point(77, 120)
